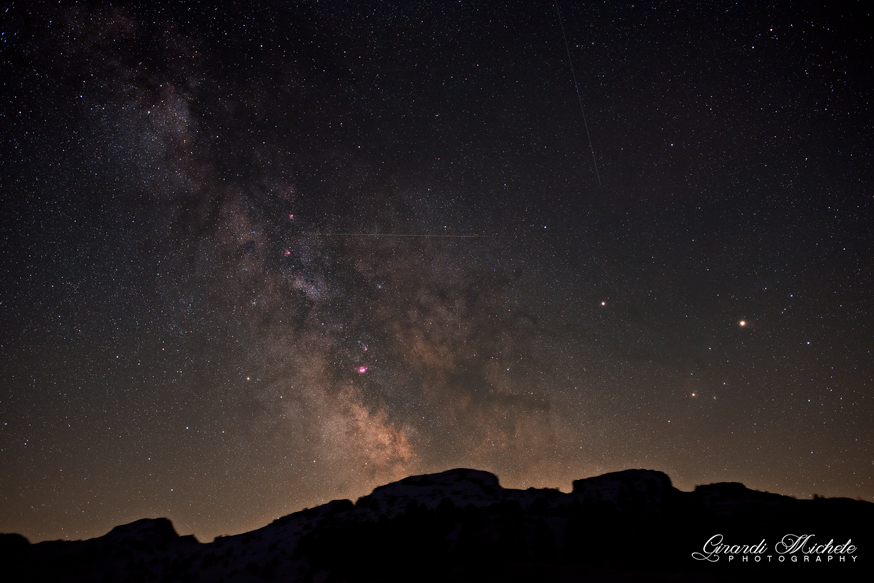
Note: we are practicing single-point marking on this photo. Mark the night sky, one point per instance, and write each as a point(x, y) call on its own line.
point(199, 321)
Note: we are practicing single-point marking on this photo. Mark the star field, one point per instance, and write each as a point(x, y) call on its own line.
point(258, 258)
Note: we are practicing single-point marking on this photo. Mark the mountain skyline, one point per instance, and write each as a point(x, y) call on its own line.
point(461, 525)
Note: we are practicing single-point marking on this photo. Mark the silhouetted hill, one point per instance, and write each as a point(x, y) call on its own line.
point(461, 525)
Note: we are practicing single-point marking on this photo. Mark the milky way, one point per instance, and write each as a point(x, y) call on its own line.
point(259, 258)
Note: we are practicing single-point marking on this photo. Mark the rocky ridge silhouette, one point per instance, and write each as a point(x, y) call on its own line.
point(461, 525)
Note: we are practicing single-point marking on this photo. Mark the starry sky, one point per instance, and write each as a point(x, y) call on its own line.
point(262, 256)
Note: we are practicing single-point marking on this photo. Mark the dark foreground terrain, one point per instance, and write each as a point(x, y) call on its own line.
point(461, 525)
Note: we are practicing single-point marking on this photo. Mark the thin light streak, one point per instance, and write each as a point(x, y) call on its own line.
point(577, 86)
point(393, 235)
